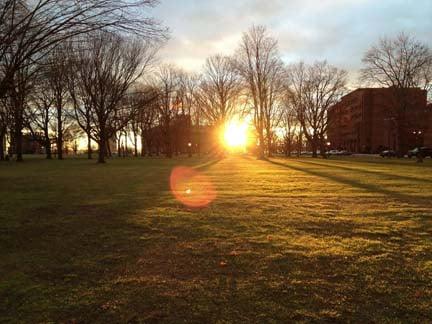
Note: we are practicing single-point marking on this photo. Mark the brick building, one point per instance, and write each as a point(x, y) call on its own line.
point(367, 121)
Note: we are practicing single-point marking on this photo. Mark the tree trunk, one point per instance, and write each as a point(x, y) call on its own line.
point(89, 148)
point(59, 133)
point(19, 143)
point(2, 146)
point(261, 154)
point(269, 146)
point(323, 149)
point(108, 150)
point(125, 151)
point(48, 148)
point(136, 144)
point(143, 145)
point(119, 146)
point(300, 144)
point(314, 147)
point(102, 144)
point(102, 150)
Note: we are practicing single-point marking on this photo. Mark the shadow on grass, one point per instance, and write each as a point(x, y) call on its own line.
point(207, 164)
point(85, 228)
point(378, 173)
point(389, 161)
point(422, 201)
point(122, 250)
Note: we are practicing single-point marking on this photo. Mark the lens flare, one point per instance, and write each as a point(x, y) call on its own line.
point(191, 187)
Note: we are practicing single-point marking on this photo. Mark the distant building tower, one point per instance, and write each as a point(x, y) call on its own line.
point(369, 120)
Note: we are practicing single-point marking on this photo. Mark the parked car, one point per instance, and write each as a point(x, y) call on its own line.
point(333, 152)
point(338, 153)
point(424, 151)
point(388, 153)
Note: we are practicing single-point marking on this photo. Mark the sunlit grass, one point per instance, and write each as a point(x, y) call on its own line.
point(284, 240)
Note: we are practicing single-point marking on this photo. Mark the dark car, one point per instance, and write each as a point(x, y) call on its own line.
point(388, 153)
point(420, 151)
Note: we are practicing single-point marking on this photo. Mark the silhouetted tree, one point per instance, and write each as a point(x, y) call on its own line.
point(104, 74)
point(256, 61)
point(290, 125)
point(168, 82)
point(219, 91)
point(30, 29)
point(315, 88)
point(40, 113)
point(55, 72)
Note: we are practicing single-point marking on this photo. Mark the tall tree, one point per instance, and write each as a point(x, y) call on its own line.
point(56, 70)
point(274, 104)
point(168, 82)
point(315, 88)
point(290, 125)
point(105, 72)
point(19, 90)
point(219, 90)
point(256, 61)
point(40, 113)
point(400, 63)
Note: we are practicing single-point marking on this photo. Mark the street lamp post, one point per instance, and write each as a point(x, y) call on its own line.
point(190, 149)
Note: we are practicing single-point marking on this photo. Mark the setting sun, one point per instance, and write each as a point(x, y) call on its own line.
point(236, 135)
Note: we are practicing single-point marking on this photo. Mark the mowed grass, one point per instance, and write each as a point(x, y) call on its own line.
point(285, 240)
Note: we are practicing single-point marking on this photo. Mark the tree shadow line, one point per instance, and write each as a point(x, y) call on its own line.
point(425, 200)
point(384, 174)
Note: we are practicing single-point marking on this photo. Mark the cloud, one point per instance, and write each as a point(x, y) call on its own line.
point(337, 30)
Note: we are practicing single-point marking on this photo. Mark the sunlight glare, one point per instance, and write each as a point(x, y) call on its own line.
point(236, 134)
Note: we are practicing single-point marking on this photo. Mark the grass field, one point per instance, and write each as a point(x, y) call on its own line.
point(284, 240)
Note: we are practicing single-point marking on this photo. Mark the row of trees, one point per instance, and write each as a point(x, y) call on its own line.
point(36, 40)
point(290, 102)
point(91, 76)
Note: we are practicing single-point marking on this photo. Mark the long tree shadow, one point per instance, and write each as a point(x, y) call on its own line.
point(378, 173)
point(421, 201)
point(208, 164)
point(83, 226)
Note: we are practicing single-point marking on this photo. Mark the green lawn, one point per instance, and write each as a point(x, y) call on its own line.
point(286, 239)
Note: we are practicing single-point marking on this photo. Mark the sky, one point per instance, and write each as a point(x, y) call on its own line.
point(339, 31)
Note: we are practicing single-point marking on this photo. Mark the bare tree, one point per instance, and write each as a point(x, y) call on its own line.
point(315, 88)
point(273, 104)
point(168, 82)
point(400, 63)
point(104, 73)
point(40, 113)
point(256, 61)
point(190, 83)
point(219, 90)
point(30, 29)
point(19, 90)
point(55, 72)
point(143, 101)
point(290, 125)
